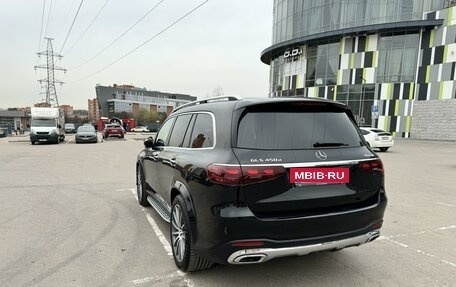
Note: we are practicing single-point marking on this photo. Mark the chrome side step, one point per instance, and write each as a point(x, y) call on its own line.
point(164, 212)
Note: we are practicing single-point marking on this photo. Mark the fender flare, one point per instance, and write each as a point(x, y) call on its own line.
point(183, 191)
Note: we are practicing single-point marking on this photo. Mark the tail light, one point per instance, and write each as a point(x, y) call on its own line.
point(372, 166)
point(237, 175)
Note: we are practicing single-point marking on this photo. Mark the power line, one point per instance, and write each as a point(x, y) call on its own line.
point(88, 27)
point(71, 27)
point(147, 41)
point(41, 29)
point(121, 35)
point(49, 16)
point(66, 18)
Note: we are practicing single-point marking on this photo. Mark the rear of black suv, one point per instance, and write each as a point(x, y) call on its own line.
point(307, 182)
point(283, 177)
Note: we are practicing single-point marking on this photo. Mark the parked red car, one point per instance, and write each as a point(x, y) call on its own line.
point(113, 130)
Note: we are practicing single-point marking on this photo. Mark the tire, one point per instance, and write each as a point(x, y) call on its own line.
point(184, 254)
point(33, 142)
point(140, 187)
point(383, 149)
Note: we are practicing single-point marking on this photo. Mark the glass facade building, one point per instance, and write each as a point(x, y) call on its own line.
point(298, 18)
point(362, 52)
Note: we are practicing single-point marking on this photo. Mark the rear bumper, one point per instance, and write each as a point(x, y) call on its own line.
point(260, 255)
point(218, 239)
point(382, 144)
point(113, 135)
point(86, 139)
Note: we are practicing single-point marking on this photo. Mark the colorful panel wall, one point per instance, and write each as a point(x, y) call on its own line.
point(437, 61)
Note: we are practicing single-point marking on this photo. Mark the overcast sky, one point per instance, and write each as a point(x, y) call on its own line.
point(219, 45)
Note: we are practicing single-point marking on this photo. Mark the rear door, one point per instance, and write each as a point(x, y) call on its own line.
point(303, 159)
point(168, 157)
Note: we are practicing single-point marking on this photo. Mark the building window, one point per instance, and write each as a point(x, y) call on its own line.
point(322, 64)
point(397, 57)
point(359, 98)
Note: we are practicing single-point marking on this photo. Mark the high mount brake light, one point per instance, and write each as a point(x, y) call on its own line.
point(237, 175)
point(372, 166)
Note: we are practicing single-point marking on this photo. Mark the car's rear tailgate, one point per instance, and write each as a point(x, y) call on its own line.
point(279, 197)
point(273, 140)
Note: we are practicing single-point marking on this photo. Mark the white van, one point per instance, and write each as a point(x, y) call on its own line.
point(46, 125)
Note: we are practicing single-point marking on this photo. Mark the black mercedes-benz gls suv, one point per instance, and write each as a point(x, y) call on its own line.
point(243, 181)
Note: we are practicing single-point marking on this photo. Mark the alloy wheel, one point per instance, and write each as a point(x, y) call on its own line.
point(179, 233)
point(139, 185)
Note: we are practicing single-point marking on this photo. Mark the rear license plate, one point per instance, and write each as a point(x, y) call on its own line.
point(385, 138)
point(319, 175)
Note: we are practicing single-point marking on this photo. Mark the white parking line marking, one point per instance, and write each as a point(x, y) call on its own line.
point(446, 204)
point(156, 279)
point(449, 227)
point(160, 235)
point(167, 248)
point(421, 252)
point(70, 140)
point(157, 230)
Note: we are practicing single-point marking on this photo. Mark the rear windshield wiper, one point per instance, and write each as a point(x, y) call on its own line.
point(328, 144)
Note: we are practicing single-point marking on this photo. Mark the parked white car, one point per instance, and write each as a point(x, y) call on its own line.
point(377, 138)
point(140, 129)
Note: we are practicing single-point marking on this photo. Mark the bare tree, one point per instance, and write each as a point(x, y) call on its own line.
point(217, 92)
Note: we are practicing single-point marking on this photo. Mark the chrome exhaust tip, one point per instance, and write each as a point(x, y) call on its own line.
point(372, 236)
point(250, 259)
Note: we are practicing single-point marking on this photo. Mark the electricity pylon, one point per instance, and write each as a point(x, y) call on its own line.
point(51, 93)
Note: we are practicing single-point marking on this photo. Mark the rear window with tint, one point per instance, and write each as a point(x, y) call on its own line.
point(86, 129)
point(203, 132)
point(295, 130)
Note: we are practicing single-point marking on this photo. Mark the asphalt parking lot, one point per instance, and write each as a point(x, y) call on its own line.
point(69, 217)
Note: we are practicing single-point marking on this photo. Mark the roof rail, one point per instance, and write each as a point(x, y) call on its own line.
point(208, 100)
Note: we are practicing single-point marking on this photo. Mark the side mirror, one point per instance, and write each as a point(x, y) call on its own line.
point(149, 142)
point(160, 142)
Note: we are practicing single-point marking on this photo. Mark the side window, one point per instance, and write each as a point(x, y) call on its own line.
point(203, 132)
point(178, 133)
point(162, 136)
point(188, 134)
